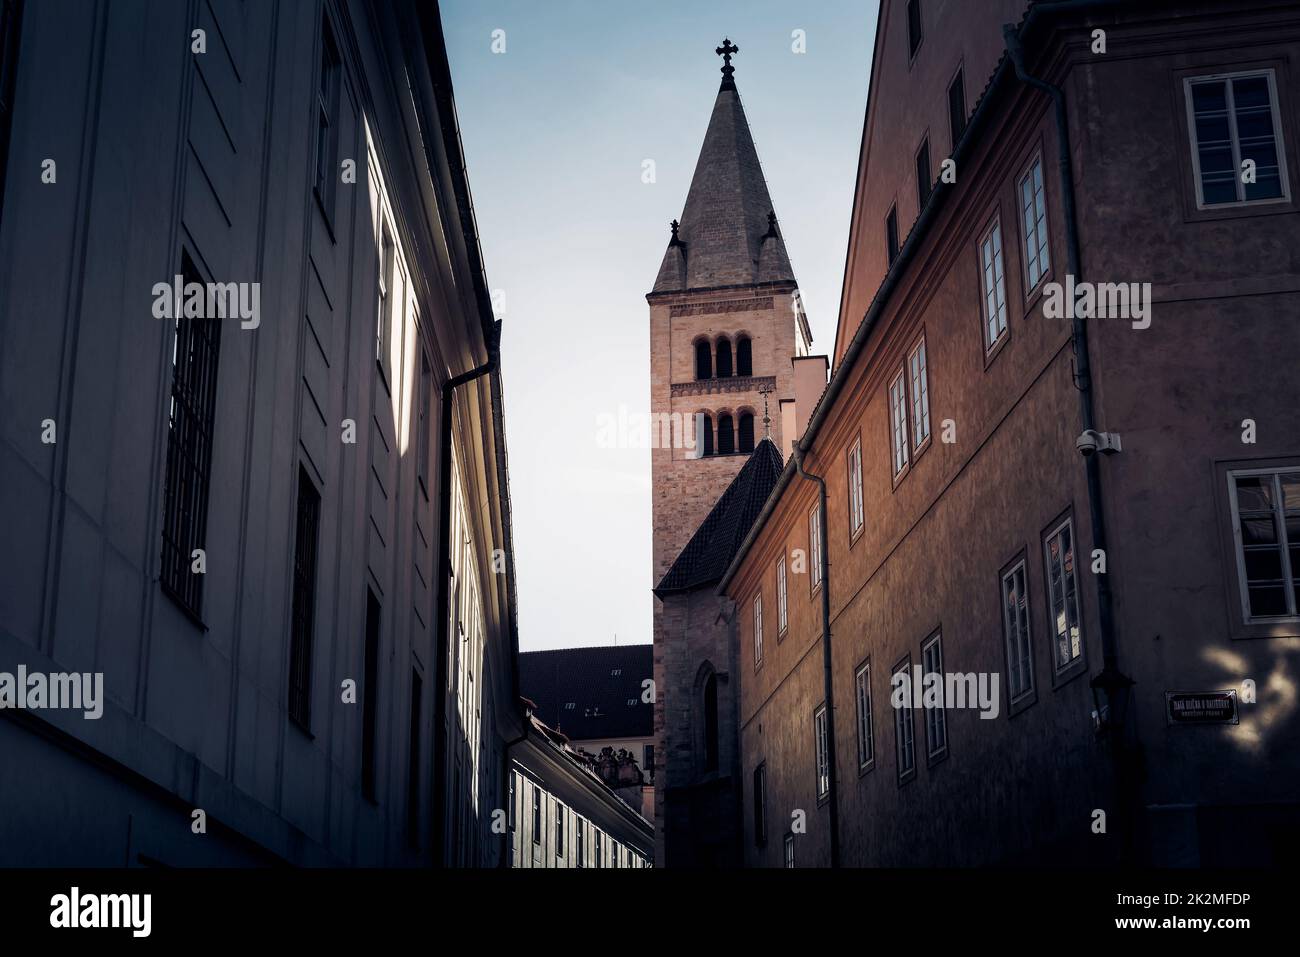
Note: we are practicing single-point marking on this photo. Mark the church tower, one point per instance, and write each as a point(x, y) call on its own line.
point(725, 323)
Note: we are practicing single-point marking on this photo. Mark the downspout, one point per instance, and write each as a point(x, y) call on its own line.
point(828, 685)
point(1113, 682)
point(444, 595)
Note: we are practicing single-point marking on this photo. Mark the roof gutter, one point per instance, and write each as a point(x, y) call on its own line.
point(1003, 76)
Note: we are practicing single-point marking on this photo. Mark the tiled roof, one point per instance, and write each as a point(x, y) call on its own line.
point(584, 692)
point(726, 237)
point(710, 550)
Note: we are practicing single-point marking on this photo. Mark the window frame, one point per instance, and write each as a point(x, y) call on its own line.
point(759, 784)
point(893, 245)
point(1193, 145)
point(935, 753)
point(821, 753)
point(914, 48)
point(919, 346)
point(324, 185)
point(1291, 575)
point(955, 134)
point(903, 726)
point(857, 503)
point(782, 598)
point(898, 428)
point(387, 280)
point(1063, 673)
point(307, 506)
point(1031, 289)
point(789, 850)
point(815, 532)
point(924, 187)
point(993, 346)
point(865, 719)
point(1017, 701)
point(757, 606)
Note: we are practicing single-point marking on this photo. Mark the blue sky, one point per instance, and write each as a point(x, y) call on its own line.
point(556, 131)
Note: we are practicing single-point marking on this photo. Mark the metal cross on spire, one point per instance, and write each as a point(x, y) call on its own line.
point(725, 51)
point(765, 392)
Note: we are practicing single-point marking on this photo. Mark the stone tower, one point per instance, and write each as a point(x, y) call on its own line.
point(725, 323)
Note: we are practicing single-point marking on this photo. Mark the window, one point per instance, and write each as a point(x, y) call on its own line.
point(1033, 212)
point(711, 723)
point(1266, 533)
point(760, 805)
point(822, 751)
point(10, 20)
point(413, 760)
point(789, 850)
point(1015, 626)
point(724, 357)
point(936, 724)
point(898, 422)
point(600, 854)
point(706, 433)
point(1233, 118)
point(195, 354)
point(514, 777)
point(815, 546)
point(994, 284)
point(648, 761)
point(957, 108)
point(1062, 592)
point(914, 34)
point(782, 619)
point(537, 814)
point(904, 745)
point(746, 432)
point(580, 841)
point(924, 179)
point(862, 693)
point(726, 435)
point(744, 356)
point(855, 487)
point(758, 630)
point(703, 360)
point(304, 600)
point(422, 424)
point(891, 234)
point(559, 830)
point(384, 318)
point(370, 699)
point(327, 104)
point(920, 394)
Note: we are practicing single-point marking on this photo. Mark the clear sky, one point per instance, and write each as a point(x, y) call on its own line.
point(557, 129)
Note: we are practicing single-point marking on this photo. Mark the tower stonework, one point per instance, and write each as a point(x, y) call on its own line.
point(725, 322)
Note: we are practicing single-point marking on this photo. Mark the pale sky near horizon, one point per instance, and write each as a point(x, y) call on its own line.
point(556, 130)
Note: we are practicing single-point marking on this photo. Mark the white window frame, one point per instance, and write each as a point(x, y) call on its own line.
point(1279, 513)
point(866, 737)
point(1194, 145)
point(758, 630)
point(904, 731)
point(856, 517)
point(918, 372)
point(815, 547)
point(1054, 616)
point(993, 284)
point(936, 719)
point(898, 423)
point(1018, 635)
point(789, 850)
point(1035, 232)
point(782, 598)
point(821, 751)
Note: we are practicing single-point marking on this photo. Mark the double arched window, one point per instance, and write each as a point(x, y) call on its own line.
point(718, 359)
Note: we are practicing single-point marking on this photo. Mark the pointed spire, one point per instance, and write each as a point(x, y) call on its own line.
point(728, 223)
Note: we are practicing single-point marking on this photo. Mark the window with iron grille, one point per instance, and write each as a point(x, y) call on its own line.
point(195, 353)
point(10, 21)
point(302, 624)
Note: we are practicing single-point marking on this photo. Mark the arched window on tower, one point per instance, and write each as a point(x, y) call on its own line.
point(724, 357)
point(711, 723)
point(746, 439)
point(744, 356)
point(726, 435)
point(705, 438)
point(703, 360)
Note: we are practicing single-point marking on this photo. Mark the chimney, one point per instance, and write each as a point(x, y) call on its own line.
point(809, 384)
